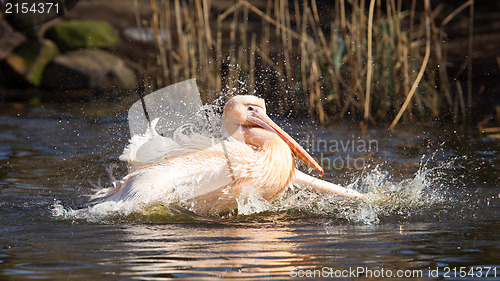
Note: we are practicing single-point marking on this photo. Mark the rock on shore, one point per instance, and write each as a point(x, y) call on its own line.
point(89, 69)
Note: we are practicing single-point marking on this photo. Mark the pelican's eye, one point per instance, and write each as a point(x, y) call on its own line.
point(251, 108)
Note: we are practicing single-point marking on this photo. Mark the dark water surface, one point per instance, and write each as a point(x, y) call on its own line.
point(435, 211)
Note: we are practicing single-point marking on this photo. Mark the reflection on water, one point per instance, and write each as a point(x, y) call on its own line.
point(226, 252)
point(434, 205)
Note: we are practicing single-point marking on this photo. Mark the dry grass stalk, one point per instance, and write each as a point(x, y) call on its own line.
point(369, 60)
point(424, 63)
point(461, 101)
point(469, 55)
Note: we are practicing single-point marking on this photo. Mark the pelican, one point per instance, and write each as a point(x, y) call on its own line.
point(211, 177)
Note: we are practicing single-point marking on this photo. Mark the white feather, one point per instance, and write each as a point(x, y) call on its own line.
point(148, 148)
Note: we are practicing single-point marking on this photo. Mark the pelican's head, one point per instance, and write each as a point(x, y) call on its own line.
point(245, 119)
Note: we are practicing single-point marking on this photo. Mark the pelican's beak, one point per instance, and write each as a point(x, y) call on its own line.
point(265, 122)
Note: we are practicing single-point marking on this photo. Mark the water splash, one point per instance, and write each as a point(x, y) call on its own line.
point(389, 198)
point(101, 213)
point(399, 199)
point(250, 202)
point(424, 190)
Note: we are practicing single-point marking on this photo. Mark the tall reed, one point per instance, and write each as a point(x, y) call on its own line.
point(357, 59)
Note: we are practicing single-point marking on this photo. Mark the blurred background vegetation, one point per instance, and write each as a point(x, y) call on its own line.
point(375, 61)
